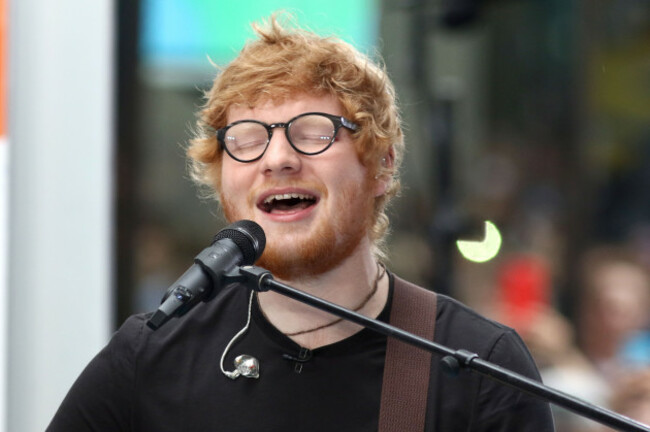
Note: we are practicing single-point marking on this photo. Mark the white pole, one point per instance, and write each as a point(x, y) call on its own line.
point(60, 195)
point(4, 216)
point(4, 278)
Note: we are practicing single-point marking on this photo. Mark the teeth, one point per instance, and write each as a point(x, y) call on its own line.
point(287, 196)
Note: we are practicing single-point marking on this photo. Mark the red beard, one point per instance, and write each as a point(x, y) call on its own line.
point(324, 246)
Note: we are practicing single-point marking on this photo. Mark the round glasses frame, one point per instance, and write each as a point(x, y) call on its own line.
point(337, 122)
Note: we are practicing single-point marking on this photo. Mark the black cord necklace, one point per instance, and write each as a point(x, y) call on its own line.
point(381, 270)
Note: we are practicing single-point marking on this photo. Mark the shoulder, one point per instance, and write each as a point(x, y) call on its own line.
point(101, 398)
point(472, 401)
point(460, 327)
point(455, 316)
point(450, 313)
point(223, 312)
point(134, 343)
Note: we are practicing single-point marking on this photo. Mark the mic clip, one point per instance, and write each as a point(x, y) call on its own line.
point(303, 357)
point(253, 276)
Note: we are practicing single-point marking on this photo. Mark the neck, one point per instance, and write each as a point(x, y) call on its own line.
point(346, 285)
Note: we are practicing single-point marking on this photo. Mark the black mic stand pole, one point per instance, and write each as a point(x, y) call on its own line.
point(452, 361)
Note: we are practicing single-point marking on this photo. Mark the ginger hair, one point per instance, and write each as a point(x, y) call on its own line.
point(285, 61)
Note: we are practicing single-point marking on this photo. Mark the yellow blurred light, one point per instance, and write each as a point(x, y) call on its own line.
point(484, 250)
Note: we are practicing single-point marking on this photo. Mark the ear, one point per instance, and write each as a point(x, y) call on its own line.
point(384, 177)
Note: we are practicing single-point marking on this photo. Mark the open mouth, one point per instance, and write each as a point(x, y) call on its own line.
point(288, 202)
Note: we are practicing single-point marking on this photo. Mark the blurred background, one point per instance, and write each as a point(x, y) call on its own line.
point(534, 115)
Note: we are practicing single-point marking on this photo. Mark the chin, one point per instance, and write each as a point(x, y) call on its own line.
point(294, 256)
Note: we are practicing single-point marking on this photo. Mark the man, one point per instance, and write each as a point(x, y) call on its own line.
point(302, 135)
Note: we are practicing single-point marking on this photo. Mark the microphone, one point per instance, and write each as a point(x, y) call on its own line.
point(240, 243)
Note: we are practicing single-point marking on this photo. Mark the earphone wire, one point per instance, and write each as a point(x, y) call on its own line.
point(234, 374)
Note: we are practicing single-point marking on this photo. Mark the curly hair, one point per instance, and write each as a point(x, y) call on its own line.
point(284, 62)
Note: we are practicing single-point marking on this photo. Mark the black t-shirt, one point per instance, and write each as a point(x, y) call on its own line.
point(170, 379)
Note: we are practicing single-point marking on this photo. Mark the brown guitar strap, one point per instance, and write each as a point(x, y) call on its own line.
point(406, 372)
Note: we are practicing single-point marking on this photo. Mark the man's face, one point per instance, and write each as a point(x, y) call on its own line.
point(315, 210)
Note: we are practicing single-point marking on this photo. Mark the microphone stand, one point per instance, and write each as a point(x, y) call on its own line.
point(452, 361)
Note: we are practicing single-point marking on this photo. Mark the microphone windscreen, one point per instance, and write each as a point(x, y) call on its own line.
point(248, 236)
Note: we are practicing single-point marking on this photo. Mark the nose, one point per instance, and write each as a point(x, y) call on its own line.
point(280, 157)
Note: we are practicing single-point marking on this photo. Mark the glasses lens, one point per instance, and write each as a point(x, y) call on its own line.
point(246, 141)
point(312, 133)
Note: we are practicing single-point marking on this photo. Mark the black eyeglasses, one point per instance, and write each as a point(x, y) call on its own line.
point(308, 133)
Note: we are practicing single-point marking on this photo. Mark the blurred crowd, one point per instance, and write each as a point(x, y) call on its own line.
point(601, 354)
